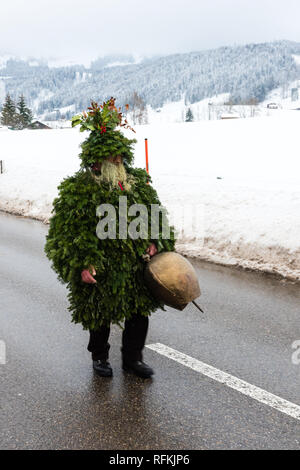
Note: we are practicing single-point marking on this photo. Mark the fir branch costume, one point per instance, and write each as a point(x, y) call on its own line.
point(72, 243)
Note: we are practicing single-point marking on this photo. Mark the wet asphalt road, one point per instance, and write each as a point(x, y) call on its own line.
point(51, 399)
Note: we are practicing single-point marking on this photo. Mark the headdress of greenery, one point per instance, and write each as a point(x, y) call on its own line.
point(104, 140)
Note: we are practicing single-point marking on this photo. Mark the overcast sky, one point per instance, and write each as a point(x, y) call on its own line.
point(86, 29)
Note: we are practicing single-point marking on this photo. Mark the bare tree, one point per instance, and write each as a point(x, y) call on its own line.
point(138, 109)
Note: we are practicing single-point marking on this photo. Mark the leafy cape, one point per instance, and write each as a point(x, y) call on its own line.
point(72, 245)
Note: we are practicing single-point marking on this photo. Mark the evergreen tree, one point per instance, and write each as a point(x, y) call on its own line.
point(8, 113)
point(24, 117)
point(189, 117)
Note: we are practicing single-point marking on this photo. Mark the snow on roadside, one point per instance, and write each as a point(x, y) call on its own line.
point(241, 178)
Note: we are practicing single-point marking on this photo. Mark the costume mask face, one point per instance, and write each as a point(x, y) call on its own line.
point(116, 160)
point(112, 171)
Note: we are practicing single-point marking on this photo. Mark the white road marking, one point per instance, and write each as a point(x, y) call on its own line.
point(287, 407)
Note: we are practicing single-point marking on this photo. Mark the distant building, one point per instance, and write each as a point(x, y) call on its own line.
point(38, 125)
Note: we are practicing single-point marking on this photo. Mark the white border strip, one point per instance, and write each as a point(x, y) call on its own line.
point(287, 407)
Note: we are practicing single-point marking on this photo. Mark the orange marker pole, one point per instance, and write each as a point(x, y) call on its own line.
point(147, 160)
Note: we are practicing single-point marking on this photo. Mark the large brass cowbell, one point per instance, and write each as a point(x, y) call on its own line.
point(172, 279)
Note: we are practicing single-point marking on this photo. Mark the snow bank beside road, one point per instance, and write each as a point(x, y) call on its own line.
point(35, 161)
point(250, 215)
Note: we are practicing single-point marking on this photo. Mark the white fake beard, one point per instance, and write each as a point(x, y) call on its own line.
point(113, 174)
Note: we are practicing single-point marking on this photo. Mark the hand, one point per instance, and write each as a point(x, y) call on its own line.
point(151, 250)
point(87, 277)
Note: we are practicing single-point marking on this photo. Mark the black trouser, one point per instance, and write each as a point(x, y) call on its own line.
point(133, 340)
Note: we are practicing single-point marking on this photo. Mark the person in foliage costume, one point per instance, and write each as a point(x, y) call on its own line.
point(104, 277)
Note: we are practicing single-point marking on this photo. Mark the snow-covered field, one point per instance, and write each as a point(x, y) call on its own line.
point(240, 177)
point(213, 108)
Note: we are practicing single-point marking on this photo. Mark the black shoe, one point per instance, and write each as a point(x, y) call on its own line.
point(103, 368)
point(139, 368)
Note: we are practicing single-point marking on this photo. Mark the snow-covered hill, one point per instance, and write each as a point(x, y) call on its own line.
point(245, 73)
point(232, 187)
